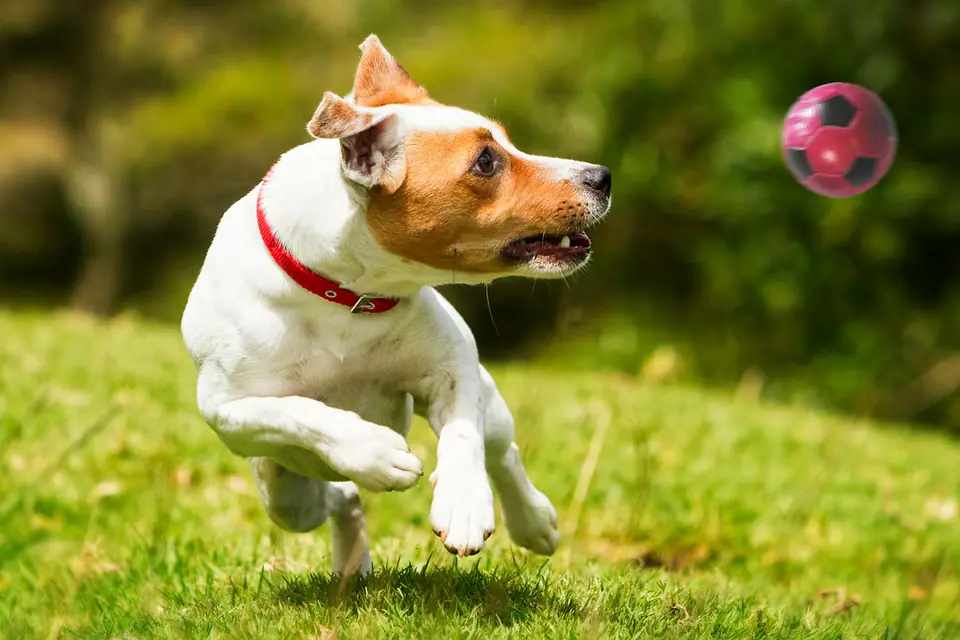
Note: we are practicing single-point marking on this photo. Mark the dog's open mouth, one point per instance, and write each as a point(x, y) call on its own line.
point(571, 246)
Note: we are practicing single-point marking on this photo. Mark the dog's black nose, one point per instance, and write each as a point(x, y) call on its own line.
point(597, 178)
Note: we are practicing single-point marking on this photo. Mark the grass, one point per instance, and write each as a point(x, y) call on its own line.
point(121, 515)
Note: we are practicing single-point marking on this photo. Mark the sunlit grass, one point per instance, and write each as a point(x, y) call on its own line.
point(120, 512)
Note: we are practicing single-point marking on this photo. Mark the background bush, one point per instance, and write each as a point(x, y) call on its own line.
point(127, 128)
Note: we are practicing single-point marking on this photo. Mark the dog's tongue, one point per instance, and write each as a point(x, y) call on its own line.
point(546, 247)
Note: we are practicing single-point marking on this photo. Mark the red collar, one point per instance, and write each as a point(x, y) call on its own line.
point(310, 280)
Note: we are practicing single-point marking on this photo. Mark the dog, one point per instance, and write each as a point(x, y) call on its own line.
point(317, 333)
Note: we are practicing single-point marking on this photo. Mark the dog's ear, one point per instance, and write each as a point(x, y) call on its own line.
point(371, 142)
point(381, 80)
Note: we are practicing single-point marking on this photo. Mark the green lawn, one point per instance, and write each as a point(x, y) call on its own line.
point(121, 515)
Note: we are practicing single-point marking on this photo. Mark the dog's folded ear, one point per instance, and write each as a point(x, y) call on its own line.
point(370, 140)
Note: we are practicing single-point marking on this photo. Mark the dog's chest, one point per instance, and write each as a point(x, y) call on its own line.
point(351, 366)
point(318, 355)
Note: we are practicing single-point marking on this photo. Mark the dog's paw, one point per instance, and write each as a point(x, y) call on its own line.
point(375, 458)
point(462, 510)
point(532, 524)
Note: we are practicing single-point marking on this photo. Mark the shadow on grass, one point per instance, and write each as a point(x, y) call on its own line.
point(498, 595)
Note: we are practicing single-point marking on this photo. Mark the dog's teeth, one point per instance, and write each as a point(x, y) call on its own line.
point(565, 241)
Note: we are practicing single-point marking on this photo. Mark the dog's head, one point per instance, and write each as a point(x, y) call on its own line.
point(446, 188)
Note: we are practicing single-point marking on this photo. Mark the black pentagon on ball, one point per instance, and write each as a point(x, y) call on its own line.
point(836, 112)
point(797, 160)
point(861, 171)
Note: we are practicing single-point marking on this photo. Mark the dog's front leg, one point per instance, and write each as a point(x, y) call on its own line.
point(462, 511)
point(313, 440)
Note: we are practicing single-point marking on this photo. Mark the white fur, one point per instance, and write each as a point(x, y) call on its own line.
point(320, 399)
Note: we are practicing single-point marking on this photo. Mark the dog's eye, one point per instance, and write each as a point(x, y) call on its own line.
point(486, 164)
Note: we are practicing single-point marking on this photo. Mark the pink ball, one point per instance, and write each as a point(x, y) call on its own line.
point(839, 139)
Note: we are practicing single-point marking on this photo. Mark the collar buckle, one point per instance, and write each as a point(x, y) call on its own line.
point(363, 304)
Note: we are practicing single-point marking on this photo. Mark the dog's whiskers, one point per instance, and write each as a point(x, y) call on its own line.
point(486, 290)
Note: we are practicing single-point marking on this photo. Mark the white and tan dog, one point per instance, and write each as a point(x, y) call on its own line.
point(316, 332)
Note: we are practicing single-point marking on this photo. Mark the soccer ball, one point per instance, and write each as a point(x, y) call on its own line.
point(839, 139)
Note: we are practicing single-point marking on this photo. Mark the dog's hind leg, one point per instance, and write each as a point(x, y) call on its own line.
point(351, 546)
point(293, 502)
point(300, 504)
point(530, 518)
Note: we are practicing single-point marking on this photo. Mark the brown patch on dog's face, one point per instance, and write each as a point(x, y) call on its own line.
point(450, 216)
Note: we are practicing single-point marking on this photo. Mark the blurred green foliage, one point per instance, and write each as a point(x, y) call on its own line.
point(171, 110)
